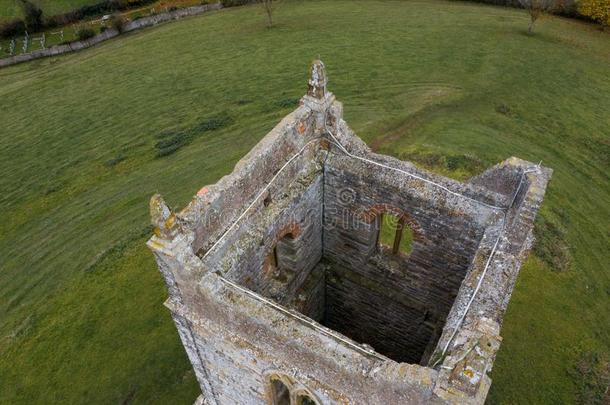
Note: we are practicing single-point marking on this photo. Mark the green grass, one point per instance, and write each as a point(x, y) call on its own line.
point(453, 86)
point(387, 234)
point(11, 9)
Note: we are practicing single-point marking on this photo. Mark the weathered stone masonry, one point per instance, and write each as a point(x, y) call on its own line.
point(282, 294)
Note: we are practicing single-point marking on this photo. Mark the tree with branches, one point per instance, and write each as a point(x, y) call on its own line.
point(536, 9)
point(32, 15)
point(269, 7)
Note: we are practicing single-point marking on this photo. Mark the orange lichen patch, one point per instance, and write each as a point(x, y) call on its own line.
point(202, 191)
point(170, 221)
point(325, 144)
point(268, 266)
point(301, 128)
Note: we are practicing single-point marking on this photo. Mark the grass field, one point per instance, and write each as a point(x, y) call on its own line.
point(453, 86)
point(11, 9)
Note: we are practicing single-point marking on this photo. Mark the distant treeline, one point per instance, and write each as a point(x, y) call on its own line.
point(107, 6)
point(562, 7)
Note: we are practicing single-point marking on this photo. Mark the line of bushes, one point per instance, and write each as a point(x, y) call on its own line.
point(170, 141)
point(12, 28)
point(33, 20)
point(567, 8)
point(107, 6)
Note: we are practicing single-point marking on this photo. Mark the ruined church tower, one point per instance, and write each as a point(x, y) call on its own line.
point(285, 288)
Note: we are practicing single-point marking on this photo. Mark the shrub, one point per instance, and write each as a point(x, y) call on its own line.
point(32, 15)
point(288, 102)
point(84, 33)
point(503, 109)
point(93, 10)
point(117, 22)
point(115, 160)
point(212, 124)
point(12, 28)
point(563, 7)
point(592, 376)
point(597, 10)
point(170, 141)
point(103, 28)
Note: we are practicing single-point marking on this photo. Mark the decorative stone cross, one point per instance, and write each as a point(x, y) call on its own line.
point(317, 80)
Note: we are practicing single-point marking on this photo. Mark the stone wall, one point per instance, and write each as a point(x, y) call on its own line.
point(246, 345)
point(300, 211)
point(365, 279)
point(417, 291)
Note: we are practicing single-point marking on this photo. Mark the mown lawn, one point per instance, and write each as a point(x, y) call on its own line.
point(455, 87)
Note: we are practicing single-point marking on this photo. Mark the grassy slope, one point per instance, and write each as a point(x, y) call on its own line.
point(80, 297)
point(11, 9)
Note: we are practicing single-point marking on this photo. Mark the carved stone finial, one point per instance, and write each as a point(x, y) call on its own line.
point(161, 216)
point(317, 80)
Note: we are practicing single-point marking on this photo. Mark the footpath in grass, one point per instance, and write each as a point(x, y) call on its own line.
point(87, 138)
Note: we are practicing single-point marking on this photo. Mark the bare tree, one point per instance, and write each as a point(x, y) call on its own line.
point(536, 9)
point(269, 7)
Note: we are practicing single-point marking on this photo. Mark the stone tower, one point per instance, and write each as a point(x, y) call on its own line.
point(283, 289)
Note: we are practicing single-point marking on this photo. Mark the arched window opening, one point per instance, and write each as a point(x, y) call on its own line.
point(280, 394)
point(304, 399)
point(273, 268)
point(395, 234)
point(277, 262)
